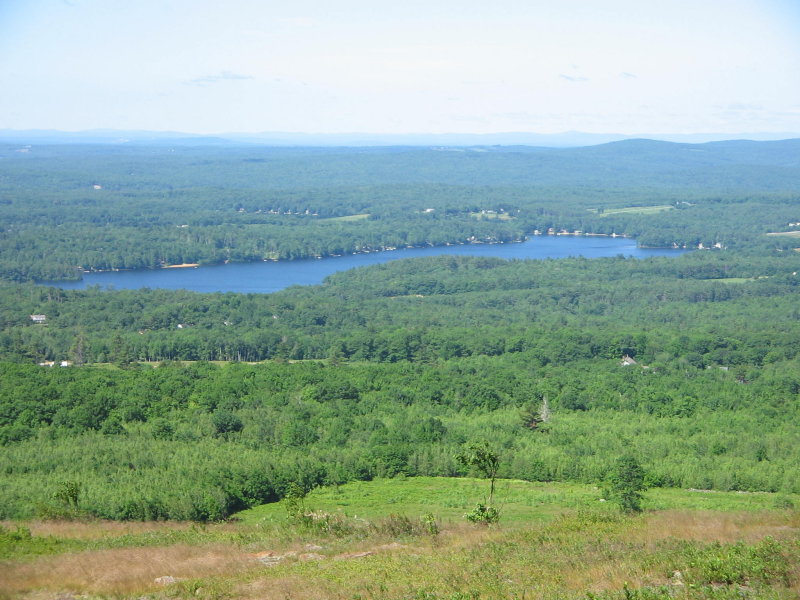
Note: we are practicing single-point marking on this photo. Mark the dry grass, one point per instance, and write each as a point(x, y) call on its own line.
point(704, 526)
point(565, 559)
point(120, 571)
point(96, 529)
point(546, 563)
point(296, 587)
point(608, 575)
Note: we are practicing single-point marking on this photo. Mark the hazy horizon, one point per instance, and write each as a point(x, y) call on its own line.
point(641, 134)
point(569, 139)
point(366, 68)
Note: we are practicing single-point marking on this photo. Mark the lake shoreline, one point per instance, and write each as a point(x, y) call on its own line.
point(526, 238)
point(268, 276)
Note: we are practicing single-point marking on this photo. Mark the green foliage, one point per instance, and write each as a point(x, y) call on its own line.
point(426, 595)
point(482, 457)
point(483, 515)
point(68, 494)
point(625, 483)
point(396, 525)
point(159, 207)
point(294, 502)
point(580, 550)
point(555, 312)
point(487, 461)
point(784, 502)
point(430, 524)
point(766, 562)
point(628, 593)
point(428, 353)
point(226, 422)
point(171, 446)
point(162, 429)
point(18, 543)
point(63, 503)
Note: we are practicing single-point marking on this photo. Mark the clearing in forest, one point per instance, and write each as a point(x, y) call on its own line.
point(360, 217)
point(632, 210)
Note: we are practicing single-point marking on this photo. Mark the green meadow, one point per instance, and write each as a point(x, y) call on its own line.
point(406, 539)
point(520, 502)
point(632, 210)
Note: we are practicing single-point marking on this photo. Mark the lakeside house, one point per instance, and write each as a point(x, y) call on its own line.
point(52, 363)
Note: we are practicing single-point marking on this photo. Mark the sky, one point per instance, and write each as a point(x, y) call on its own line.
point(410, 66)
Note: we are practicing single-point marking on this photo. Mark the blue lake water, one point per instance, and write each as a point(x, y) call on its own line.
point(266, 277)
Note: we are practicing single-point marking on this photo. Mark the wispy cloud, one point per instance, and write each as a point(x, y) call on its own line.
point(469, 119)
point(212, 79)
point(573, 78)
point(626, 75)
point(744, 106)
point(516, 116)
point(297, 22)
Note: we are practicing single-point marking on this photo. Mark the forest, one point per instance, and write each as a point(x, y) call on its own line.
point(188, 406)
point(69, 209)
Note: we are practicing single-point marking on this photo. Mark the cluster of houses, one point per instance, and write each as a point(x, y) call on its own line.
point(554, 231)
point(42, 319)
point(273, 211)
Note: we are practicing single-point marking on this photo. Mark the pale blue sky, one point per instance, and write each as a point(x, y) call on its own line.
point(432, 66)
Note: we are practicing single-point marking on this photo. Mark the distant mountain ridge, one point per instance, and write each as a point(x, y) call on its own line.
point(568, 139)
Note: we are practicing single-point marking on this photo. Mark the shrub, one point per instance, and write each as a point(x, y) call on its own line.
point(767, 562)
point(395, 526)
point(430, 525)
point(483, 515)
point(226, 422)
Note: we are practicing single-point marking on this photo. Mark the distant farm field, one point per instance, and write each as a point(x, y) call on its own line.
point(346, 218)
point(632, 210)
point(786, 233)
point(491, 215)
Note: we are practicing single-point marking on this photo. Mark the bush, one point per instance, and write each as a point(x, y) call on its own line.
point(483, 515)
point(728, 564)
point(430, 525)
point(395, 526)
point(226, 422)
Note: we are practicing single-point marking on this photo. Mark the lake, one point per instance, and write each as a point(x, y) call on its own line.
point(266, 277)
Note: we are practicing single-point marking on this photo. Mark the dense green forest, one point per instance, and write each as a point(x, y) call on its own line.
point(67, 209)
point(388, 370)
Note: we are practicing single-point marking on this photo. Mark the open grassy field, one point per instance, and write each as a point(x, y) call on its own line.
point(786, 233)
point(491, 215)
point(633, 210)
point(520, 502)
point(733, 279)
point(367, 540)
point(360, 217)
